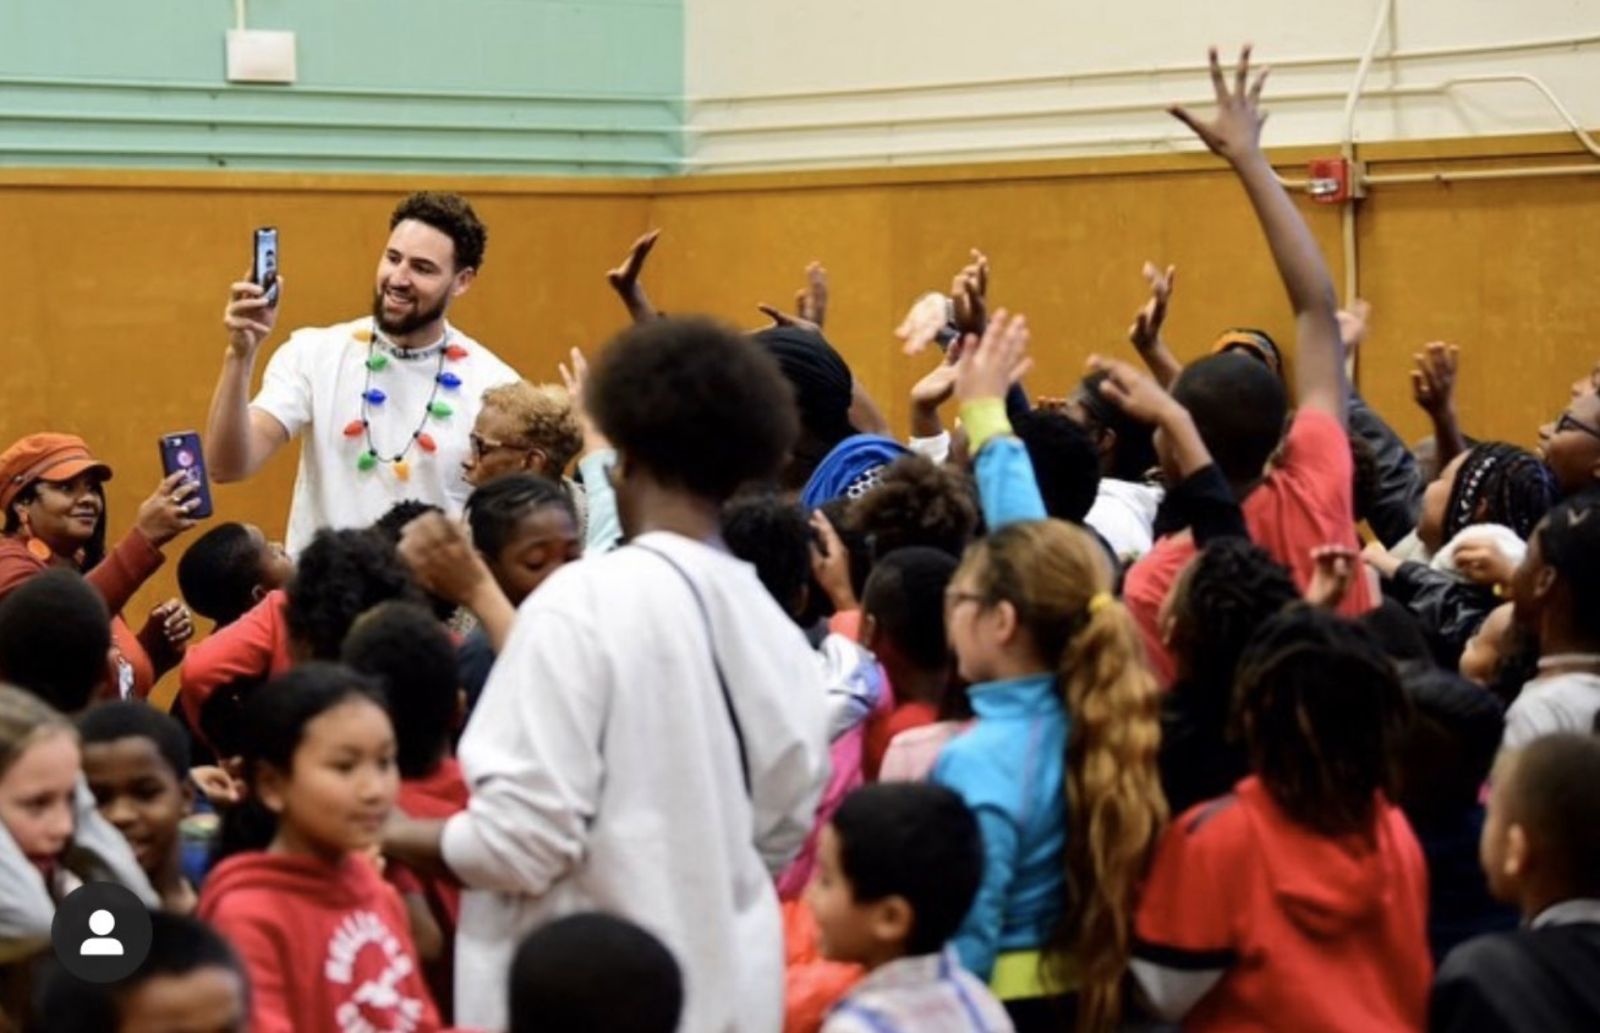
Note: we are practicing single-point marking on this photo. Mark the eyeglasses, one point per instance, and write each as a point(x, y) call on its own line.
point(1569, 422)
point(482, 446)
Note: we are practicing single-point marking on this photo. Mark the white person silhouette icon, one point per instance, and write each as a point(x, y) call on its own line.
point(102, 944)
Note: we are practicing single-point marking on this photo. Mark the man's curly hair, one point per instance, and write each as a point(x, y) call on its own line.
point(918, 502)
point(340, 576)
point(451, 215)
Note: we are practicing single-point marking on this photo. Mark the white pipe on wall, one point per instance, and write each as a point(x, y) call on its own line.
point(1347, 149)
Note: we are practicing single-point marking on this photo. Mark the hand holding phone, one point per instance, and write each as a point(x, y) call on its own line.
point(264, 270)
point(181, 453)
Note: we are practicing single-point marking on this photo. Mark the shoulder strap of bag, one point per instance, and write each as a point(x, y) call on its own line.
point(716, 663)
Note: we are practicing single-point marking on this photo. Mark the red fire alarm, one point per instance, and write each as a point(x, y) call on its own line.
point(1335, 180)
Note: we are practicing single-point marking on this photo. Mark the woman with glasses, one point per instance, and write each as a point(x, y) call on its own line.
point(540, 429)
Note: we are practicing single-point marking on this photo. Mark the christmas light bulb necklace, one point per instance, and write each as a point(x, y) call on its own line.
point(373, 398)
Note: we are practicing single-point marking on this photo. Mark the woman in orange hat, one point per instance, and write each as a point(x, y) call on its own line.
point(55, 516)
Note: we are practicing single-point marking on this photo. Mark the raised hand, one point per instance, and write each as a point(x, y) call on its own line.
point(1353, 324)
point(441, 557)
point(929, 314)
point(249, 318)
point(1145, 333)
point(1134, 391)
point(624, 279)
point(1334, 568)
point(1235, 132)
point(165, 514)
point(576, 377)
point(781, 318)
point(1178, 443)
point(935, 388)
point(830, 564)
point(969, 295)
point(811, 301)
point(988, 367)
point(1433, 381)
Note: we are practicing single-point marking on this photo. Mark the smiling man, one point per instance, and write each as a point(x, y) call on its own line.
point(385, 402)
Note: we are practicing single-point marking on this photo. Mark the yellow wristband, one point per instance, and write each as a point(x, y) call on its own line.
point(984, 419)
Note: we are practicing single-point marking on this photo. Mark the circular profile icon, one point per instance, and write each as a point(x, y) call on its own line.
point(101, 932)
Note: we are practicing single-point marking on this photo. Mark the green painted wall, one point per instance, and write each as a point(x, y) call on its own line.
point(484, 86)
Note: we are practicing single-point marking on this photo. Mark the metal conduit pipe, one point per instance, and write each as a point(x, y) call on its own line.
point(1347, 149)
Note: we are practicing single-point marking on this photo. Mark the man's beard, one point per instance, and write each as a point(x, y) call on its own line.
point(418, 319)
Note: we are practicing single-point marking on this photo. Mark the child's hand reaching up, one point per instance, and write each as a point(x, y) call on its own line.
point(1335, 567)
point(1235, 132)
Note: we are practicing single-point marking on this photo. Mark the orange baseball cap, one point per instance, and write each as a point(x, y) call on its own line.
point(44, 457)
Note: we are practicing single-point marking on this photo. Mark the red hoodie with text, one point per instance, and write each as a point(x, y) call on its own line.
point(327, 946)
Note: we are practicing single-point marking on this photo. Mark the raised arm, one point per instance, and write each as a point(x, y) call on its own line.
point(239, 439)
point(1145, 332)
point(624, 279)
point(1433, 387)
point(811, 311)
point(1235, 135)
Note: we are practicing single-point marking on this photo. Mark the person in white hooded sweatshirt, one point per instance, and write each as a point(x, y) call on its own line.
point(651, 741)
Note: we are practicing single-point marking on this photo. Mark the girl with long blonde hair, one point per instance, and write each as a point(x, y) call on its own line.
point(1060, 769)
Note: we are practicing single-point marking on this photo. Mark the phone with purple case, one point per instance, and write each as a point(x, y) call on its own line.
point(182, 452)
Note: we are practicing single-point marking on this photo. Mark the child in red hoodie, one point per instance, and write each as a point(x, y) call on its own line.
point(324, 938)
point(405, 648)
point(1300, 900)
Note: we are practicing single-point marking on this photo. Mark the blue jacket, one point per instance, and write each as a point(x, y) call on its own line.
point(1010, 769)
point(1007, 487)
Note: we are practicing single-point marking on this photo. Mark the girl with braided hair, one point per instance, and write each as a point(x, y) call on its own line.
point(1307, 874)
point(1060, 769)
point(1474, 521)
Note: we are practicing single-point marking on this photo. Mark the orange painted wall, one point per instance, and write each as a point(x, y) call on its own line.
point(114, 282)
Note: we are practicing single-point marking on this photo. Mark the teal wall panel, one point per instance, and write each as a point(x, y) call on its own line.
point(484, 86)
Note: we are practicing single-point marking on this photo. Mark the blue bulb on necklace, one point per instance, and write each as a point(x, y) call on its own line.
point(374, 397)
point(449, 380)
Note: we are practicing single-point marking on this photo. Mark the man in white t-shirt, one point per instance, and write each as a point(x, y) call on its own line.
point(386, 402)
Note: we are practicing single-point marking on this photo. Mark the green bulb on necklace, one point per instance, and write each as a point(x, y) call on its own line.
point(377, 362)
point(440, 410)
point(367, 461)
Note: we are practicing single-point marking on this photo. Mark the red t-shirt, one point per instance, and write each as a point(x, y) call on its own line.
point(443, 794)
point(254, 646)
point(1306, 501)
point(1311, 933)
point(327, 947)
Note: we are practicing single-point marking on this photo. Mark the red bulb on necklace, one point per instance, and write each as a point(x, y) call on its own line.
point(426, 443)
point(455, 353)
point(354, 428)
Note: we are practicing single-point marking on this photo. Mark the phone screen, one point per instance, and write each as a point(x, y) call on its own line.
point(264, 269)
point(182, 452)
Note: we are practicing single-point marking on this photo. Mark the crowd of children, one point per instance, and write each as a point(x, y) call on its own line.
point(1194, 699)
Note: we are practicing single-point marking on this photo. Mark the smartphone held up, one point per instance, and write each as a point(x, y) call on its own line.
point(181, 453)
point(264, 269)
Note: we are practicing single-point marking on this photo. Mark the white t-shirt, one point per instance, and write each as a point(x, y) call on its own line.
point(605, 776)
point(314, 383)
point(1124, 512)
point(1558, 703)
